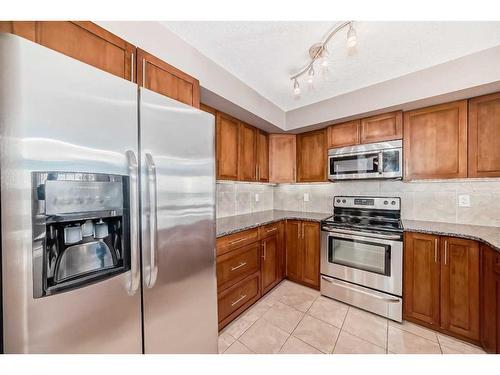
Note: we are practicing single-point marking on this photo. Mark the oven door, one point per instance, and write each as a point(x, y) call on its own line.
point(367, 259)
point(354, 166)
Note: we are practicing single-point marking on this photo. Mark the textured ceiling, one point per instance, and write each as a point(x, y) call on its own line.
point(264, 54)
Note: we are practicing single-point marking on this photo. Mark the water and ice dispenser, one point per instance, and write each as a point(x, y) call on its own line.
point(81, 231)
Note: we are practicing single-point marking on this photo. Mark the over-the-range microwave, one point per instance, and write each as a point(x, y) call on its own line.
point(368, 161)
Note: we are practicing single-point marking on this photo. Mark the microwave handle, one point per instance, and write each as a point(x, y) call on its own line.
point(381, 162)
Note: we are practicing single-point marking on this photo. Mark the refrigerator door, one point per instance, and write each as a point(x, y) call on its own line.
point(178, 226)
point(58, 114)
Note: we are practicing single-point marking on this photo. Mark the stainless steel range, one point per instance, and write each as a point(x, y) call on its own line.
point(362, 254)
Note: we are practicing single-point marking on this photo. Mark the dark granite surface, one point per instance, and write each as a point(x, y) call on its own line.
point(488, 235)
point(232, 224)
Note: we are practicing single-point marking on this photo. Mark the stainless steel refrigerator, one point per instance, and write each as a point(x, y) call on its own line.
point(107, 211)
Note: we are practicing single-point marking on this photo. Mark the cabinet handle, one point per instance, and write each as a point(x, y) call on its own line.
point(445, 252)
point(236, 241)
point(132, 68)
point(239, 300)
point(302, 230)
point(143, 72)
point(436, 250)
point(257, 172)
point(264, 250)
point(239, 266)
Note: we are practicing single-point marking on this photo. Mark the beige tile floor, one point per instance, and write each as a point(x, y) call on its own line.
point(294, 319)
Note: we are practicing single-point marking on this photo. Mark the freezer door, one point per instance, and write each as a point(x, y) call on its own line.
point(178, 226)
point(58, 114)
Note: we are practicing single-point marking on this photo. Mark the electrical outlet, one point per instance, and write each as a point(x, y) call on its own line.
point(464, 200)
point(306, 197)
point(257, 197)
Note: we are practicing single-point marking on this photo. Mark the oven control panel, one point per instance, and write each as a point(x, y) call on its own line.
point(380, 203)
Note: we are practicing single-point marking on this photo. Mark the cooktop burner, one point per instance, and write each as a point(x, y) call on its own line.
point(366, 213)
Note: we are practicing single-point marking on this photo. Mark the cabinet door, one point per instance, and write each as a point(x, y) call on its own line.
point(384, 127)
point(294, 256)
point(156, 75)
point(484, 136)
point(342, 135)
point(311, 156)
point(270, 263)
point(282, 157)
point(490, 311)
point(89, 43)
point(311, 250)
point(435, 141)
point(227, 147)
point(262, 156)
point(460, 287)
point(247, 160)
point(421, 296)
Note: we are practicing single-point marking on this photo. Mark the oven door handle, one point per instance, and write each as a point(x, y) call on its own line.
point(358, 290)
point(352, 234)
point(381, 162)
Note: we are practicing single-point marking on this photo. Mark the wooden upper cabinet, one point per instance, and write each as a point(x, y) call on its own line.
point(208, 109)
point(460, 287)
point(247, 166)
point(421, 278)
point(435, 141)
point(227, 147)
point(385, 127)
point(262, 156)
point(89, 43)
point(156, 75)
point(311, 156)
point(484, 136)
point(311, 250)
point(342, 135)
point(25, 29)
point(282, 157)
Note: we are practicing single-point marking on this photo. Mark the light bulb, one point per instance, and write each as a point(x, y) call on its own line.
point(352, 38)
point(296, 88)
point(310, 75)
point(324, 58)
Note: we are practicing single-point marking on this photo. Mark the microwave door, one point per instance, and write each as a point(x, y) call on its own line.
point(354, 166)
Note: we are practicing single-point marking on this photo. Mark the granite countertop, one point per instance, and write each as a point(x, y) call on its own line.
point(232, 224)
point(488, 235)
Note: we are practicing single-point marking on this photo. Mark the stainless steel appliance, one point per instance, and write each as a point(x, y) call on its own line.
point(368, 161)
point(362, 254)
point(107, 212)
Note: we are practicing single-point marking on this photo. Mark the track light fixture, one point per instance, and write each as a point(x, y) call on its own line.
point(319, 52)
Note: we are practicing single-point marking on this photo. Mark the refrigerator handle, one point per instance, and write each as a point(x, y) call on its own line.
point(134, 225)
point(153, 248)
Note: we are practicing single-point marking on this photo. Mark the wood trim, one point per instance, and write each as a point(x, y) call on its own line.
point(473, 142)
point(208, 109)
point(24, 29)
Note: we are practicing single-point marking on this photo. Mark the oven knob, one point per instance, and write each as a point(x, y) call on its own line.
point(338, 200)
point(385, 202)
point(343, 200)
point(393, 203)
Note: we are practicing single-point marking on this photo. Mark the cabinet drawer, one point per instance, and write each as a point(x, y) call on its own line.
point(234, 300)
point(238, 264)
point(233, 241)
point(269, 230)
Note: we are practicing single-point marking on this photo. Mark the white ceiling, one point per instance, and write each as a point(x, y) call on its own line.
point(264, 54)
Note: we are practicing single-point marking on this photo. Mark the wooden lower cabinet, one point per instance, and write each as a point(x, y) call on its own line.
point(490, 299)
point(421, 278)
point(460, 287)
point(302, 252)
point(441, 284)
point(270, 266)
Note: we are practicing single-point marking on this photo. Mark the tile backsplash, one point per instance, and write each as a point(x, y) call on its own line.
point(429, 200)
point(420, 200)
point(236, 198)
